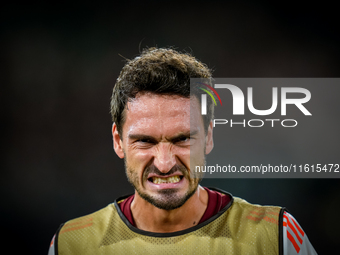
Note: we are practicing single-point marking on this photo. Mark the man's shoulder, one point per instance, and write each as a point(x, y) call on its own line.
point(83, 232)
point(88, 220)
point(243, 204)
point(90, 225)
point(241, 212)
point(257, 213)
point(282, 225)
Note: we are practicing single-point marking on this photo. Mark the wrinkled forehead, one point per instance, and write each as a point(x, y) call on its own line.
point(172, 110)
point(147, 101)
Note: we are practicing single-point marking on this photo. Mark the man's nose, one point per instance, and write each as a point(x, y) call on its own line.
point(164, 158)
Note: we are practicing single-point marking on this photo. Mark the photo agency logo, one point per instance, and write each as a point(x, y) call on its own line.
point(268, 127)
point(280, 99)
point(204, 97)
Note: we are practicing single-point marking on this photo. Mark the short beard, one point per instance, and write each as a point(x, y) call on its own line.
point(168, 198)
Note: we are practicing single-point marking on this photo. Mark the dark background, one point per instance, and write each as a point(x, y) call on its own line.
point(59, 64)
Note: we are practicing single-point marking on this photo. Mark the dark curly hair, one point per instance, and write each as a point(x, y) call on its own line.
point(161, 71)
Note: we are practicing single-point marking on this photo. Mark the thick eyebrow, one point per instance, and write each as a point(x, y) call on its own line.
point(151, 138)
point(140, 137)
point(185, 134)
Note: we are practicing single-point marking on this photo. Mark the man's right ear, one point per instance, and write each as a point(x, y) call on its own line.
point(117, 142)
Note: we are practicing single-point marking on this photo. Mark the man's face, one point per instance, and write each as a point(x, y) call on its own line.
point(156, 144)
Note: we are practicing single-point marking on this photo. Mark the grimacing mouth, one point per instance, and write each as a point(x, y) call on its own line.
point(160, 180)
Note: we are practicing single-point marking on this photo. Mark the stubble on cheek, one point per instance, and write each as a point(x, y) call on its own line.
point(131, 174)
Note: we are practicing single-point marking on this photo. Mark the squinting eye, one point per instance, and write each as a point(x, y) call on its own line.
point(144, 140)
point(183, 139)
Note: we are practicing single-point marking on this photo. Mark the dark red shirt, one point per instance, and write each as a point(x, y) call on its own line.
point(216, 201)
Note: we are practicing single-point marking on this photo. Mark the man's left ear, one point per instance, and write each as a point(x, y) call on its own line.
point(209, 141)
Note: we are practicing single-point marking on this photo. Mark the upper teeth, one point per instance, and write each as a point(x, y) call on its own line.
point(172, 179)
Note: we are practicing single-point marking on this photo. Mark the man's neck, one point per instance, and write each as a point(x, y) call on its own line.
point(150, 218)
